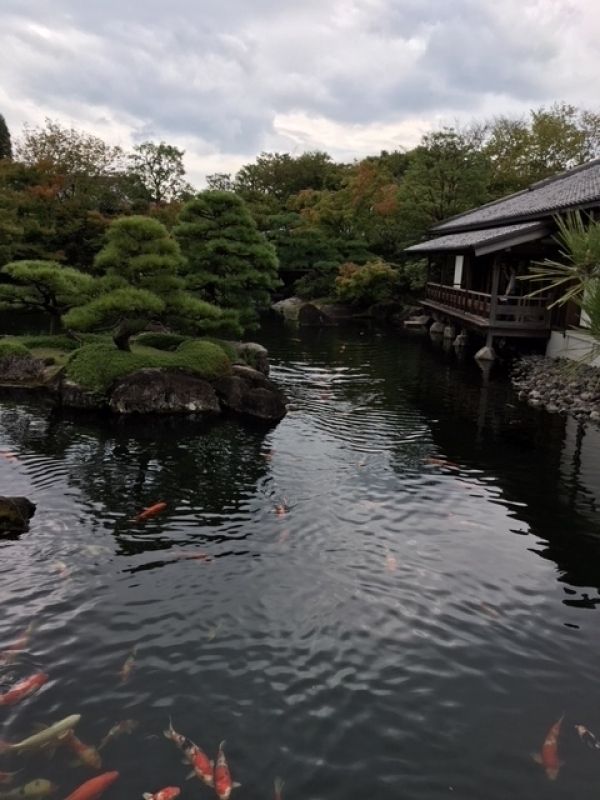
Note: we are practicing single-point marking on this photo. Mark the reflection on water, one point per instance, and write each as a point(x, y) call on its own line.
point(355, 600)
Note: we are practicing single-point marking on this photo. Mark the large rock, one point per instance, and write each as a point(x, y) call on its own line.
point(74, 396)
point(21, 369)
point(311, 315)
point(157, 391)
point(15, 513)
point(253, 355)
point(289, 308)
point(247, 391)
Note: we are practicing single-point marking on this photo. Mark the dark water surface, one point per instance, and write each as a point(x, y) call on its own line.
point(409, 629)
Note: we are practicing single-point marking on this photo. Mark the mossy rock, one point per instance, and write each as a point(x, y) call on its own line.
point(15, 513)
point(17, 365)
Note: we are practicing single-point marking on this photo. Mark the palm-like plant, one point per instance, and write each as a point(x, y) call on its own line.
point(575, 276)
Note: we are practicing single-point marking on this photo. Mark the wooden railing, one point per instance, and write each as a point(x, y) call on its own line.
point(529, 313)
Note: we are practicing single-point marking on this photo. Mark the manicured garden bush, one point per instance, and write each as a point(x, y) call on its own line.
point(160, 341)
point(10, 348)
point(97, 366)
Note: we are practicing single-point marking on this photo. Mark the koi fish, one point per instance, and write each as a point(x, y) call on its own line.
point(187, 556)
point(7, 777)
point(44, 738)
point(61, 568)
point(125, 726)
point(202, 765)
point(11, 653)
point(38, 788)
point(587, 737)
point(128, 666)
point(165, 794)
point(548, 758)
point(278, 787)
point(436, 461)
point(391, 562)
point(151, 511)
point(86, 753)
point(8, 455)
point(281, 509)
point(23, 689)
point(223, 783)
point(93, 788)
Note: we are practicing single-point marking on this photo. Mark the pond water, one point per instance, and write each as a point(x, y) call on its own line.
point(410, 621)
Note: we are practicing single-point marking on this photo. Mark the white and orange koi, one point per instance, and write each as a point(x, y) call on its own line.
point(123, 727)
point(223, 783)
point(128, 666)
point(548, 757)
point(587, 737)
point(86, 753)
point(278, 789)
point(169, 793)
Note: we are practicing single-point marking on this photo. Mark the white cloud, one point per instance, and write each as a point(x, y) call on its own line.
point(228, 80)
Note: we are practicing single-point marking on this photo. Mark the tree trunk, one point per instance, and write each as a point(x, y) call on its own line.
point(122, 333)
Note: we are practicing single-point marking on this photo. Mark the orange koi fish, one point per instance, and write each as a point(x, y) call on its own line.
point(11, 653)
point(151, 511)
point(8, 455)
point(86, 753)
point(281, 509)
point(202, 765)
point(436, 461)
point(7, 777)
point(23, 689)
point(125, 726)
point(223, 783)
point(587, 737)
point(165, 794)
point(278, 786)
point(92, 789)
point(548, 758)
point(128, 666)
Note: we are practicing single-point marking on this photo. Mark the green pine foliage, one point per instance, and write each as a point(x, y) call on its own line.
point(97, 366)
point(229, 262)
point(139, 266)
point(5, 142)
point(44, 286)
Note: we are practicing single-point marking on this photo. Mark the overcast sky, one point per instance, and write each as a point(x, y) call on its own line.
point(226, 80)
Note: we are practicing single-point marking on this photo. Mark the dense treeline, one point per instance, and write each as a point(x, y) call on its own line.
point(60, 189)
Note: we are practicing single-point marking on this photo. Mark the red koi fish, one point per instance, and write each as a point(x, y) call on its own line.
point(11, 653)
point(281, 509)
point(165, 794)
point(202, 765)
point(92, 789)
point(86, 753)
point(278, 786)
point(548, 758)
point(23, 689)
point(128, 666)
point(223, 783)
point(151, 511)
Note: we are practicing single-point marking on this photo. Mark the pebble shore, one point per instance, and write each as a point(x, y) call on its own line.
point(559, 386)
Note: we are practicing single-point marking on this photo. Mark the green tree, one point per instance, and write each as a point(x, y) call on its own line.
point(229, 262)
point(280, 175)
point(373, 282)
point(140, 283)
point(44, 286)
point(159, 172)
point(5, 142)
point(447, 174)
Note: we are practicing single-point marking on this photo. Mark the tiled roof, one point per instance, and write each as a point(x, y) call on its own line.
point(578, 187)
point(483, 239)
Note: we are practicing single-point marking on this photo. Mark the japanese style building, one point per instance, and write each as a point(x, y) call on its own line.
point(476, 257)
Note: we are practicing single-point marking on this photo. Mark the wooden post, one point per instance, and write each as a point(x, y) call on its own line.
point(494, 293)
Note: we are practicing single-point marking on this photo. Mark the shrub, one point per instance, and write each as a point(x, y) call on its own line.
point(375, 282)
point(319, 282)
point(160, 341)
point(10, 348)
point(57, 342)
point(97, 366)
point(206, 358)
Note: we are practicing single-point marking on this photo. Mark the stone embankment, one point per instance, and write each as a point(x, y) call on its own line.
point(559, 386)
